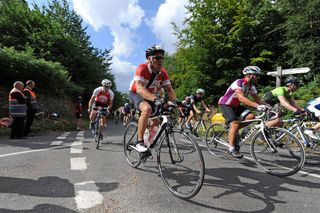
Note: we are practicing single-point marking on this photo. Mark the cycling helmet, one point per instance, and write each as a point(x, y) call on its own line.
point(79, 98)
point(126, 104)
point(251, 70)
point(292, 80)
point(200, 91)
point(106, 82)
point(153, 50)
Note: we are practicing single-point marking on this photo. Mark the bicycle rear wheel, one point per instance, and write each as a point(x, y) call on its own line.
point(181, 164)
point(130, 137)
point(216, 139)
point(288, 157)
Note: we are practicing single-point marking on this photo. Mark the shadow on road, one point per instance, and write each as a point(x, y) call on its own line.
point(262, 187)
point(49, 208)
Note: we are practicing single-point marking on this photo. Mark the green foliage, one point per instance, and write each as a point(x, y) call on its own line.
point(22, 65)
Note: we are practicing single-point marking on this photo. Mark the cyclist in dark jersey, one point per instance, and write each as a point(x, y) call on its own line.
point(194, 99)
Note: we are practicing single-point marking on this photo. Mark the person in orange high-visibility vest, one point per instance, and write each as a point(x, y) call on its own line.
point(32, 105)
point(17, 110)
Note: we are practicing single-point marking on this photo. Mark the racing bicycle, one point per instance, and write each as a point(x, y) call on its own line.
point(179, 158)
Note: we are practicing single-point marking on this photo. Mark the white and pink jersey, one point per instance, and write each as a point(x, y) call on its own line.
point(143, 73)
point(103, 97)
point(230, 98)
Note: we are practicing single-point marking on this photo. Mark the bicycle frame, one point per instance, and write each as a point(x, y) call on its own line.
point(258, 127)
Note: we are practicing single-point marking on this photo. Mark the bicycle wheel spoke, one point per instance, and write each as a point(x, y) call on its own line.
point(216, 133)
point(181, 164)
point(286, 159)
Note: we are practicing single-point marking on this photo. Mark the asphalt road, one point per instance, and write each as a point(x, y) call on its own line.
point(63, 172)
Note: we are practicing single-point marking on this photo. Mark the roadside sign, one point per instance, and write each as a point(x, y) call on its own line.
point(290, 71)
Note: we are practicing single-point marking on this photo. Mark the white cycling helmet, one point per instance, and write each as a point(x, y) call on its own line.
point(251, 70)
point(200, 91)
point(106, 82)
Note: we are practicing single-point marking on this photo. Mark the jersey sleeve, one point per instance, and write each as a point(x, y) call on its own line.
point(253, 90)
point(95, 92)
point(140, 73)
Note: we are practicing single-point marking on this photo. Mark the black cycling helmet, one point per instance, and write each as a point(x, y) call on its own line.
point(153, 50)
point(292, 80)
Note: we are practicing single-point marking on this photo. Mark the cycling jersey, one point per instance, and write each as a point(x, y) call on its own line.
point(195, 99)
point(314, 106)
point(230, 98)
point(271, 97)
point(143, 73)
point(103, 97)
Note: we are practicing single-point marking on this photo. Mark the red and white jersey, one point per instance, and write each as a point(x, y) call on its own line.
point(143, 73)
point(103, 97)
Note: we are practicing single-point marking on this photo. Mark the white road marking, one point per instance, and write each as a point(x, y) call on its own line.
point(79, 137)
point(61, 137)
point(87, 195)
point(30, 151)
point(55, 143)
point(76, 147)
point(78, 163)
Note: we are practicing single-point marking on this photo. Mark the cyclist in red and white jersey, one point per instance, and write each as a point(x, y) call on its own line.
point(101, 97)
point(238, 93)
point(143, 88)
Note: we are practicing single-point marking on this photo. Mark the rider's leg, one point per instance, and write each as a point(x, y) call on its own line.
point(234, 127)
point(146, 110)
point(191, 115)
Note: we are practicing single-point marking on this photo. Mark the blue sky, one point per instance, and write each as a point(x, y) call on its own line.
point(128, 27)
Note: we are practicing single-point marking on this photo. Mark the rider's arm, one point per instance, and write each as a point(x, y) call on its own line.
point(143, 92)
point(258, 99)
point(286, 104)
point(170, 91)
point(205, 106)
point(91, 102)
point(243, 99)
point(294, 103)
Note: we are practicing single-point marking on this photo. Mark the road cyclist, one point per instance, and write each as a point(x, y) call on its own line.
point(237, 94)
point(100, 103)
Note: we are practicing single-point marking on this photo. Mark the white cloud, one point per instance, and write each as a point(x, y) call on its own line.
point(125, 71)
point(122, 17)
point(168, 12)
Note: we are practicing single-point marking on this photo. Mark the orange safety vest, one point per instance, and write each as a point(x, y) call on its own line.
point(33, 98)
point(15, 108)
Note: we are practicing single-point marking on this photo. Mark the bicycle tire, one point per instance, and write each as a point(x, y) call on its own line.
point(181, 164)
point(287, 160)
point(98, 136)
point(312, 151)
point(215, 135)
point(130, 136)
point(201, 131)
point(311, 146)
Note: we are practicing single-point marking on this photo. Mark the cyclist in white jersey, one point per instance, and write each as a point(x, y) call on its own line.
point(238, 93)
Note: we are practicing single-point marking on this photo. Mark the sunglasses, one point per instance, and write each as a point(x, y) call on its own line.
point(158, 58)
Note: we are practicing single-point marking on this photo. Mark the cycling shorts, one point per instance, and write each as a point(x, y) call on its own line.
point(233, 114)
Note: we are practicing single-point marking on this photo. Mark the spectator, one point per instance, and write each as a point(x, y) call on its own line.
point(17, 110)
point(78, 110)
point(32, 105)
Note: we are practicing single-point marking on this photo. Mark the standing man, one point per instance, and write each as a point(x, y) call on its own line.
point(32, 105)
point(78, 112)
point(17, 110)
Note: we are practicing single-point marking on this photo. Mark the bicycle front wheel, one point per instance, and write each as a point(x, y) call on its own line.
point(181, 164)
point(130, 137)
point(284, 155)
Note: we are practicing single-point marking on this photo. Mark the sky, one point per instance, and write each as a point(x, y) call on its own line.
point(128, 28)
